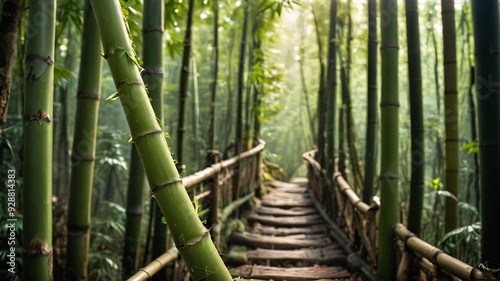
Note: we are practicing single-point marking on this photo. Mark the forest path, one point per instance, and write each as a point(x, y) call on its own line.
point(286, 239)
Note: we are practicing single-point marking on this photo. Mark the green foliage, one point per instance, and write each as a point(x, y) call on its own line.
point(106, 234)
point(471, 147)
point(463, 243)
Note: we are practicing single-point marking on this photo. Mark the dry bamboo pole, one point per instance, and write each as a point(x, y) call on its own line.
point(156, 265)
point(200, 176)
point(440, 259)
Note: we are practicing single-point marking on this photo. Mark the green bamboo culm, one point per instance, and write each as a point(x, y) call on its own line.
point(83, 151)
point(371, 110)
point(183, 87)
point(37, 148)
point(487, 49)
point(416, 117)
point(190, 236)
point(152, 32)
point(389, 166)
point(331, 93)
point(451, 112)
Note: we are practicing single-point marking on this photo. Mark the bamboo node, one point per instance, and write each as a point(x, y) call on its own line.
point(39, 116)
point(436, 254)
point(152, 132)
point(153, 29)
point(37, 247)
point(194, 241)
point(170, 182)
point(388, 103)
point(91, 95)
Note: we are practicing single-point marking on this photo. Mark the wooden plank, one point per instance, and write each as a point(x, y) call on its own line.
point(300, 181)
point(308, 236)
point(286, 195)
point(273, 242)
point(298, 211)
point(294, 221)
point(326, 256)
point(290, 274)
point(286, 203)
point(281, 184)
point(283, 231)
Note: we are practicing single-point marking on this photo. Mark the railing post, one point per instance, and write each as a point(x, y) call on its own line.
point(213, 157)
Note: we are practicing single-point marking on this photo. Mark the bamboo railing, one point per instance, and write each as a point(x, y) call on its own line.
point(214, 189)
point(359, 223)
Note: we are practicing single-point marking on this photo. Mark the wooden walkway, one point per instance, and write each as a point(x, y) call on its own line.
point(286, 239)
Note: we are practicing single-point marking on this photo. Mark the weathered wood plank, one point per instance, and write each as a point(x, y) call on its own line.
point(298, 211)
point(271, 242)
point(326, 256)
point(290, 274)
point(286, 203)
point(294, 221)
point(283, 231)
point(300, 181)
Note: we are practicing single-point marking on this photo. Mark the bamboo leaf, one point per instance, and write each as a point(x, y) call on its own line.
point(446, 193)
point(114, 96)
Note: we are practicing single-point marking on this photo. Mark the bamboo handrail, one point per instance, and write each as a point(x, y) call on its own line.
point(156, 265)
point(200, 176)
point(437, 257)
point(430, 254)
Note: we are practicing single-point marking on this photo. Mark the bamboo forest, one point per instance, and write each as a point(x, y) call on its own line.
point(249, 140)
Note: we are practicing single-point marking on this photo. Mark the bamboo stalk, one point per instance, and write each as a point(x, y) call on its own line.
point(38, 141)
point(389, 131)
point(83, 152)
point(487, 55)
point(190, 236)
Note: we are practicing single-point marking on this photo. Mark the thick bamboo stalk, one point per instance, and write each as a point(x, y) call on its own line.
point(152, 32)
point(241, 85)
point(83, 152)
point(183, 87)
point(450, 111)
point(389, 166)
point(37, 141)
point(331, 91)
point(417, 117)
point(371, 114)
point(215, 73)
point(191, 238)
point(439, 258)
point(487, 55)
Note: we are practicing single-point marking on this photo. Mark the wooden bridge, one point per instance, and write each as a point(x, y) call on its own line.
point(307, 229)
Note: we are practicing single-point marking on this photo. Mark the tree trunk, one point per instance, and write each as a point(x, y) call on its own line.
point(10, 20)
point(189, 235)
point(450, 111)
point(487, 49)
point(389, 166)
point(38, 137)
